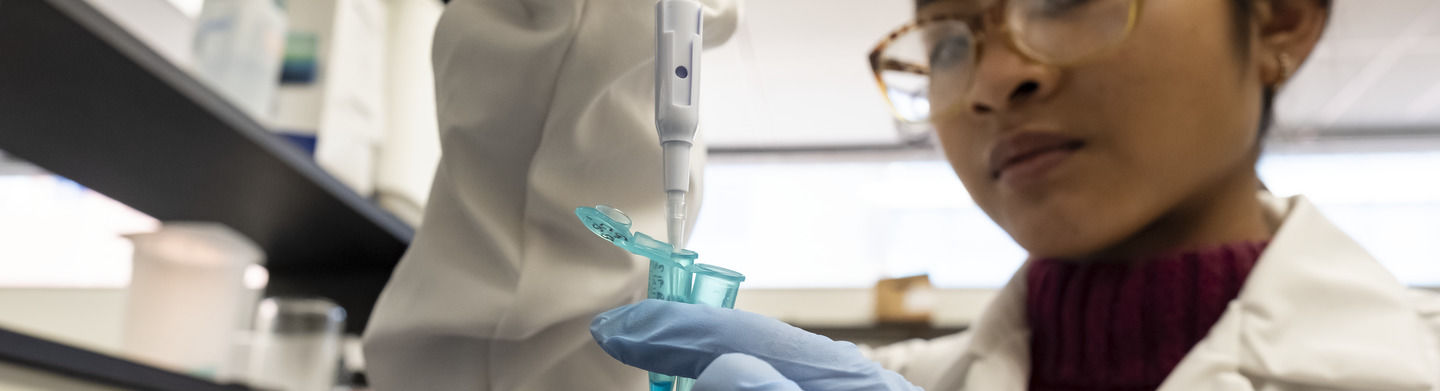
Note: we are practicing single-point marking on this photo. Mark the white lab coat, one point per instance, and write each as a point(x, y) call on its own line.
point(543, 106)
point(1316, 313)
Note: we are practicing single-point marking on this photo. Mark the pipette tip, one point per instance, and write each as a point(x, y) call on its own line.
point(675, 218)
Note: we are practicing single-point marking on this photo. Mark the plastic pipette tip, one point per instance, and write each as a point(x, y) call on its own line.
point(675, 221)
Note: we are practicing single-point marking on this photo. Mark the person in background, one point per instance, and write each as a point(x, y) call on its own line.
point(544, 106)
point(1117, 144)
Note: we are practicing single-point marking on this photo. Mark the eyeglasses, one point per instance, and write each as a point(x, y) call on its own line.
point(930, 63)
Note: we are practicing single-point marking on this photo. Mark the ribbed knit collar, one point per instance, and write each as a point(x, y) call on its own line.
point(1126, 325)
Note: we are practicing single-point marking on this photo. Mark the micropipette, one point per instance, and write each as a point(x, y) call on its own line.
point(678, 42)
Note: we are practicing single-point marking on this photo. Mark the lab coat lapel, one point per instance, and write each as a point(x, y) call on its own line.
point(1317, 311)
point(998, 357)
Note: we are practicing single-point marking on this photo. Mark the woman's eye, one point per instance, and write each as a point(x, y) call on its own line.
point(949, 51)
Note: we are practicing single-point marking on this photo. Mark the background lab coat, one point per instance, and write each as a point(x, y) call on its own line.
point(544, 106)
point(1316, 313)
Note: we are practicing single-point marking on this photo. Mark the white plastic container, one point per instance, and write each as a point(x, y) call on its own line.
point(342, 105)
point(187, 295)
point(162, 25)
point(238, 48)
point(410, 147)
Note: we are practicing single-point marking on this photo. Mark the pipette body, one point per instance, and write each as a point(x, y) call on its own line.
point(678, 43)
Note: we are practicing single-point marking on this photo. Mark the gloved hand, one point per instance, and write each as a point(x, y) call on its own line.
point(727, 350)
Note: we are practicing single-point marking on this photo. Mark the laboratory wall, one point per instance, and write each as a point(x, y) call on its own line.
point(864, 217)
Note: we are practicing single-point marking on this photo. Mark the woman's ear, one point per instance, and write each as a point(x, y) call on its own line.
point(1288, 31)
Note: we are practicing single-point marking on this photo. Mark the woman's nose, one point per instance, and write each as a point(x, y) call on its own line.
point(1005, 80)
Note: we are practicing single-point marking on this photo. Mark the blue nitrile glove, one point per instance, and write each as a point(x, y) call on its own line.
point(726, 350)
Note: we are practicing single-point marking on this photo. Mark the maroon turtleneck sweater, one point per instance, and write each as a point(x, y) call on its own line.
point(1125, 325)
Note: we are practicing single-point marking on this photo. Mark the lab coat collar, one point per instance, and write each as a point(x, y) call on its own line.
point(998, 357)
point(1316, 310)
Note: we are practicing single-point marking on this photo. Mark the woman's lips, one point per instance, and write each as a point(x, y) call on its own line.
point(1027, 156)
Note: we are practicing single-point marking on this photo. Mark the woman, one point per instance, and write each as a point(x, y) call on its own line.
point(1117, 144)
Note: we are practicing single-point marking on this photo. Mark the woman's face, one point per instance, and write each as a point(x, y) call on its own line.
point(1071, 161)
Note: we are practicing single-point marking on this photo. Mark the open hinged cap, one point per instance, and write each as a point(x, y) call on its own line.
point(613, 225)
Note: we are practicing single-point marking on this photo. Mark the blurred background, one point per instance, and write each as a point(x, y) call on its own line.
point(346, 134)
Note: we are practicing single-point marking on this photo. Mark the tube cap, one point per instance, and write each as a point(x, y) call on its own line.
point(613, 225)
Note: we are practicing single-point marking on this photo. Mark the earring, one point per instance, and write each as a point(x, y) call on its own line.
point(1287, 67)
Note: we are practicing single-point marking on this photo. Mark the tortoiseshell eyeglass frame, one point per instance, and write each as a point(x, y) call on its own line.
point(988, 22)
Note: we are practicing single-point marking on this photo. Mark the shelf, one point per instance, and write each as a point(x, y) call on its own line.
point(80, 364)
point(82, 98)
